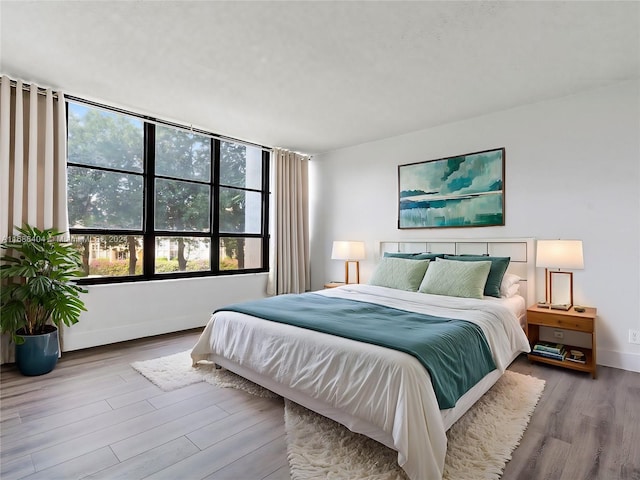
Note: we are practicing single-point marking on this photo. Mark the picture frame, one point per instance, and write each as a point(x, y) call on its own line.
point(459, 191)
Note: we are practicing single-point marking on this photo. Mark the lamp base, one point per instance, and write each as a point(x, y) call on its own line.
point(346, 271)
point(549, 290)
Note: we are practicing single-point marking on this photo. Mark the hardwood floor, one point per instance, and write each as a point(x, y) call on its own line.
point(582, 428)
point(95, 417)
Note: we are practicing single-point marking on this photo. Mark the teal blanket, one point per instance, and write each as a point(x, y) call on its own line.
point(454, 352)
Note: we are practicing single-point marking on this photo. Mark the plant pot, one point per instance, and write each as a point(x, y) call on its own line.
point(39, 353)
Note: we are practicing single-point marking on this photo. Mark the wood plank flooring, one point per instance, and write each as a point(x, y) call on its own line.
point(95, 417)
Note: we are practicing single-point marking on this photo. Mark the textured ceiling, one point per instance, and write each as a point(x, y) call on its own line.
point(316, 76)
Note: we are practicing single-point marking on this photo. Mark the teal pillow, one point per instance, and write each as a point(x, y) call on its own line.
point(399, 273)
point(414, 256)
point(498, 268)
point(455, 279)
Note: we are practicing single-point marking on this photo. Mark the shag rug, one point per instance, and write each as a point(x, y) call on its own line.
point(175, 371)
point(479, 444)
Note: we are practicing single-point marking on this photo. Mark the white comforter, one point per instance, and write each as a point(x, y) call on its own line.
point(379, 388)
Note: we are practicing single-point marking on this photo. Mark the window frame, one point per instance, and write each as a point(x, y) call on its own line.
point(148, 232)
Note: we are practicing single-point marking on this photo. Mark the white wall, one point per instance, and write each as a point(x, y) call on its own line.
point(572, 172)
point(125, 311)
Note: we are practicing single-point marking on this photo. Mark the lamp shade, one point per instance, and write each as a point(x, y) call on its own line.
point(347, 250)
point(560, 254)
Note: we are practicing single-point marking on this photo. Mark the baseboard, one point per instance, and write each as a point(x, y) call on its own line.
point(623, 360)
point(80, 340)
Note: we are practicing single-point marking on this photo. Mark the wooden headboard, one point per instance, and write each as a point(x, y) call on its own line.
point(521, 251)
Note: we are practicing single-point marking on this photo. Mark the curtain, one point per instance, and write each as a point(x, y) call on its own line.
point(289, 261)
point(33, 178)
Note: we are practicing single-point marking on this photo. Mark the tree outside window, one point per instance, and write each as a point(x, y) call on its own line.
point(135, 186)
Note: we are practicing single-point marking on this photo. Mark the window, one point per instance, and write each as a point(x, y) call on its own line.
point(149, 200)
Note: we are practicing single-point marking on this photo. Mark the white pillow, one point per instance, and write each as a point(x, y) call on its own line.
point(513, 290)
point(510, 284)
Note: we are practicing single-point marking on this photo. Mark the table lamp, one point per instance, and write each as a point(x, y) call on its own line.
point(348, 251)
point(560, 255)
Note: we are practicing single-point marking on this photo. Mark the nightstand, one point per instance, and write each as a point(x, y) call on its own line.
point(570, 320)
point(333, 284)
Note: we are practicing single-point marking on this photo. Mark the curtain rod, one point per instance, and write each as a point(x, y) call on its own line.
point(43, 91)
point(26, 87)
point(165, 123)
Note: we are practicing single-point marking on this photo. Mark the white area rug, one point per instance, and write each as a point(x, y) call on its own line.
point(479, 444)
point(175, 371)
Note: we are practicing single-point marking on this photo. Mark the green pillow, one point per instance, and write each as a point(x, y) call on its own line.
point(498, 268)
point(456, 279)
point(414, 256)
point(399, 273)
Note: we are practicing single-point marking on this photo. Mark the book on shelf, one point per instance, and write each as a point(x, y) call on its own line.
point(555, 356)
point(577, 356)
point(549, 347)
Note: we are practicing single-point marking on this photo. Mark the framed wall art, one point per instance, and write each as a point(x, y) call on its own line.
point(461, 191)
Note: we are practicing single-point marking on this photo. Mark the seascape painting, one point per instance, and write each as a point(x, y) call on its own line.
point(461, 191)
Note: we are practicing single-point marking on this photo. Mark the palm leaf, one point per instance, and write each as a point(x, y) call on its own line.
point(36, 281)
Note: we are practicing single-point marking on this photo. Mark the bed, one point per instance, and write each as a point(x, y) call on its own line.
point(372, 389)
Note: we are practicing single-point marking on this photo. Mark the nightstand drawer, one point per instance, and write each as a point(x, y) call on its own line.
point(561, 321)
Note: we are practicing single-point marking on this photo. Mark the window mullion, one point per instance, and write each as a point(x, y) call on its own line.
point(215, 202)
point(265, 208)
point(149, 200)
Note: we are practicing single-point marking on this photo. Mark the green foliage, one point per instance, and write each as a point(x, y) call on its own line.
point(117, 268)
point(228, 264)
point(37, 271)
point(100, 199)
point(167, 266)
point(104, 267)
point(232, 173)
point(182, 206)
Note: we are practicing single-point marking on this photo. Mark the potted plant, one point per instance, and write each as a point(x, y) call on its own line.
point(38, 296)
